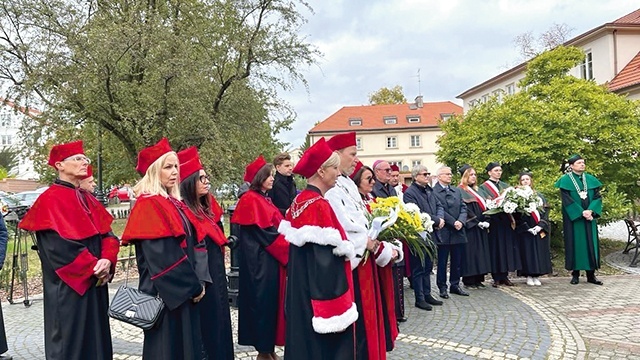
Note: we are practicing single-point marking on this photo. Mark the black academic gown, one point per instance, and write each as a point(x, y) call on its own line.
point(76, 324)
point(259, 288)
point(216, 331)
point(503, 245)
point(477, 258)
point(320, 303)
point(166, 268)
point(535, 249)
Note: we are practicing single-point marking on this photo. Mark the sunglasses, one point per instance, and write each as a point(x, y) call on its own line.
point(425, 174)
point(370, 179)
point(386, 170)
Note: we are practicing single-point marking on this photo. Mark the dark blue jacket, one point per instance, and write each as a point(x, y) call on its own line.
point(454, 210)
point(427, 202)
point(381, 190)
point(4, 238)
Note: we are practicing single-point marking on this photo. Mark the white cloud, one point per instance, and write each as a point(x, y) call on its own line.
point(456, 44)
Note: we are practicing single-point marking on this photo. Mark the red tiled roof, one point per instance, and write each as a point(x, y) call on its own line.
point(373, 116)
point(628, 76)
point(632, 18)
point(27, 111)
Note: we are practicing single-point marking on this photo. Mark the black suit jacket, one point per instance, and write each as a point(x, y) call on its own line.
point(283, 192)
point(454, 210)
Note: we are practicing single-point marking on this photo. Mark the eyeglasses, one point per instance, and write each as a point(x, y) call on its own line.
point(447, 174)
point(78, 158)
point(425, 174)
point(205, 179)
point(386, 170)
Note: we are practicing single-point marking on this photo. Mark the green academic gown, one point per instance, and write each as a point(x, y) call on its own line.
point(581, 243)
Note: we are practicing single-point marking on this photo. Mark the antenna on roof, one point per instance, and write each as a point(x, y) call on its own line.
point(419, 83)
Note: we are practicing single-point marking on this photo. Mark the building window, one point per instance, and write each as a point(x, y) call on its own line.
point(485, 98)
point(446, 117)
point(392, 142)
point(5, 120)
point(413, 119)
point(415, 163)
point(390, 120)
point(355, 122)
point(415, 141)
point(498, 94)
point(586, 68)
point(6, 139)
point(359, 143)
point(397, 163)
point(511, 89)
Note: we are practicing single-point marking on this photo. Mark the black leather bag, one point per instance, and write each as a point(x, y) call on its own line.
point(135, 307)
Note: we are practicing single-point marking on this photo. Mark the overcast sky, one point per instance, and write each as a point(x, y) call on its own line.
point(456, 44)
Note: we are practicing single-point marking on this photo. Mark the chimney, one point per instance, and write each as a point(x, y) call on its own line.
point(419, 102)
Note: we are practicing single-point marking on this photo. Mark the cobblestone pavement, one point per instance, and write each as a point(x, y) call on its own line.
point(553, 321)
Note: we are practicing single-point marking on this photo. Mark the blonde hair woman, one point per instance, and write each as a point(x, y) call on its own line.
point(164, 252)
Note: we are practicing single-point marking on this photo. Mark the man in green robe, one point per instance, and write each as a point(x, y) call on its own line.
point(581, 206)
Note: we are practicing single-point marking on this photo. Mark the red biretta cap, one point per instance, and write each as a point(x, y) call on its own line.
point(341, 141)
point(252, 169)
point(313, 158)
point(359, 166)
point(63, 151)
point(189, 162)
point(89, 173)
point(395, 167)
point(149, 155)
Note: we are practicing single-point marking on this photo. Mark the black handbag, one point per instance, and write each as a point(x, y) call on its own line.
point(135, 307)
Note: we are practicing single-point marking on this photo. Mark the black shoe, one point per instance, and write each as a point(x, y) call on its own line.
point(471, 286)
point(594, 280)
point(480, 285)
point(431, 300)
point(421, 304)
point(6, 357)
point(402, 319)
point(575, 280)
point(458, 291)
point(507, 282)
point(443, 294)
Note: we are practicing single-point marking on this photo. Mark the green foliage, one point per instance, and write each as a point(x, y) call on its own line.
point(3, 173)
point(199, 73)
point(387, 96)
point(9, 158)
point(554, 116)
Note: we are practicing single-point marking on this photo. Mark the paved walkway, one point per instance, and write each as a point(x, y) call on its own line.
point(554, 321)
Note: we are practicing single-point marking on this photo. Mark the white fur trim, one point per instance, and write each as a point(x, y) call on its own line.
point(400, 251)
point(336, 323)
point(385, 255)
point(317, 235)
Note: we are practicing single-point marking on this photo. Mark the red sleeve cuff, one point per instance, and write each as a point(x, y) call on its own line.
point(110, 249)
point(279, 249)
point(78, 273)
point(334, 315)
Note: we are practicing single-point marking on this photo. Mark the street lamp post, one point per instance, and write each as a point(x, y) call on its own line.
point(99, 193)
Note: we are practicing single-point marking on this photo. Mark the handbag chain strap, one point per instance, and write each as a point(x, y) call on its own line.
point(126, 279)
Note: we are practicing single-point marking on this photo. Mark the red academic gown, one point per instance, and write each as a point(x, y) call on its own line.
point(214, 306)
point(320, 306)
point(73, 231)
point(165, 249)
point(385, 276)
point(263, 259)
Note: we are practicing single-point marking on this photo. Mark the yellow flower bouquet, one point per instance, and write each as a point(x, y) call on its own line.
point(410, 225)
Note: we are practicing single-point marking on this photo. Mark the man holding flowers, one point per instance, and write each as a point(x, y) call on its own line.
point(350, 210)
point(421, 194)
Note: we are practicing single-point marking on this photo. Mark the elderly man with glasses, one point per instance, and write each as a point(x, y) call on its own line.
point(78, 253)
point(451, 238)
point(421, 194)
